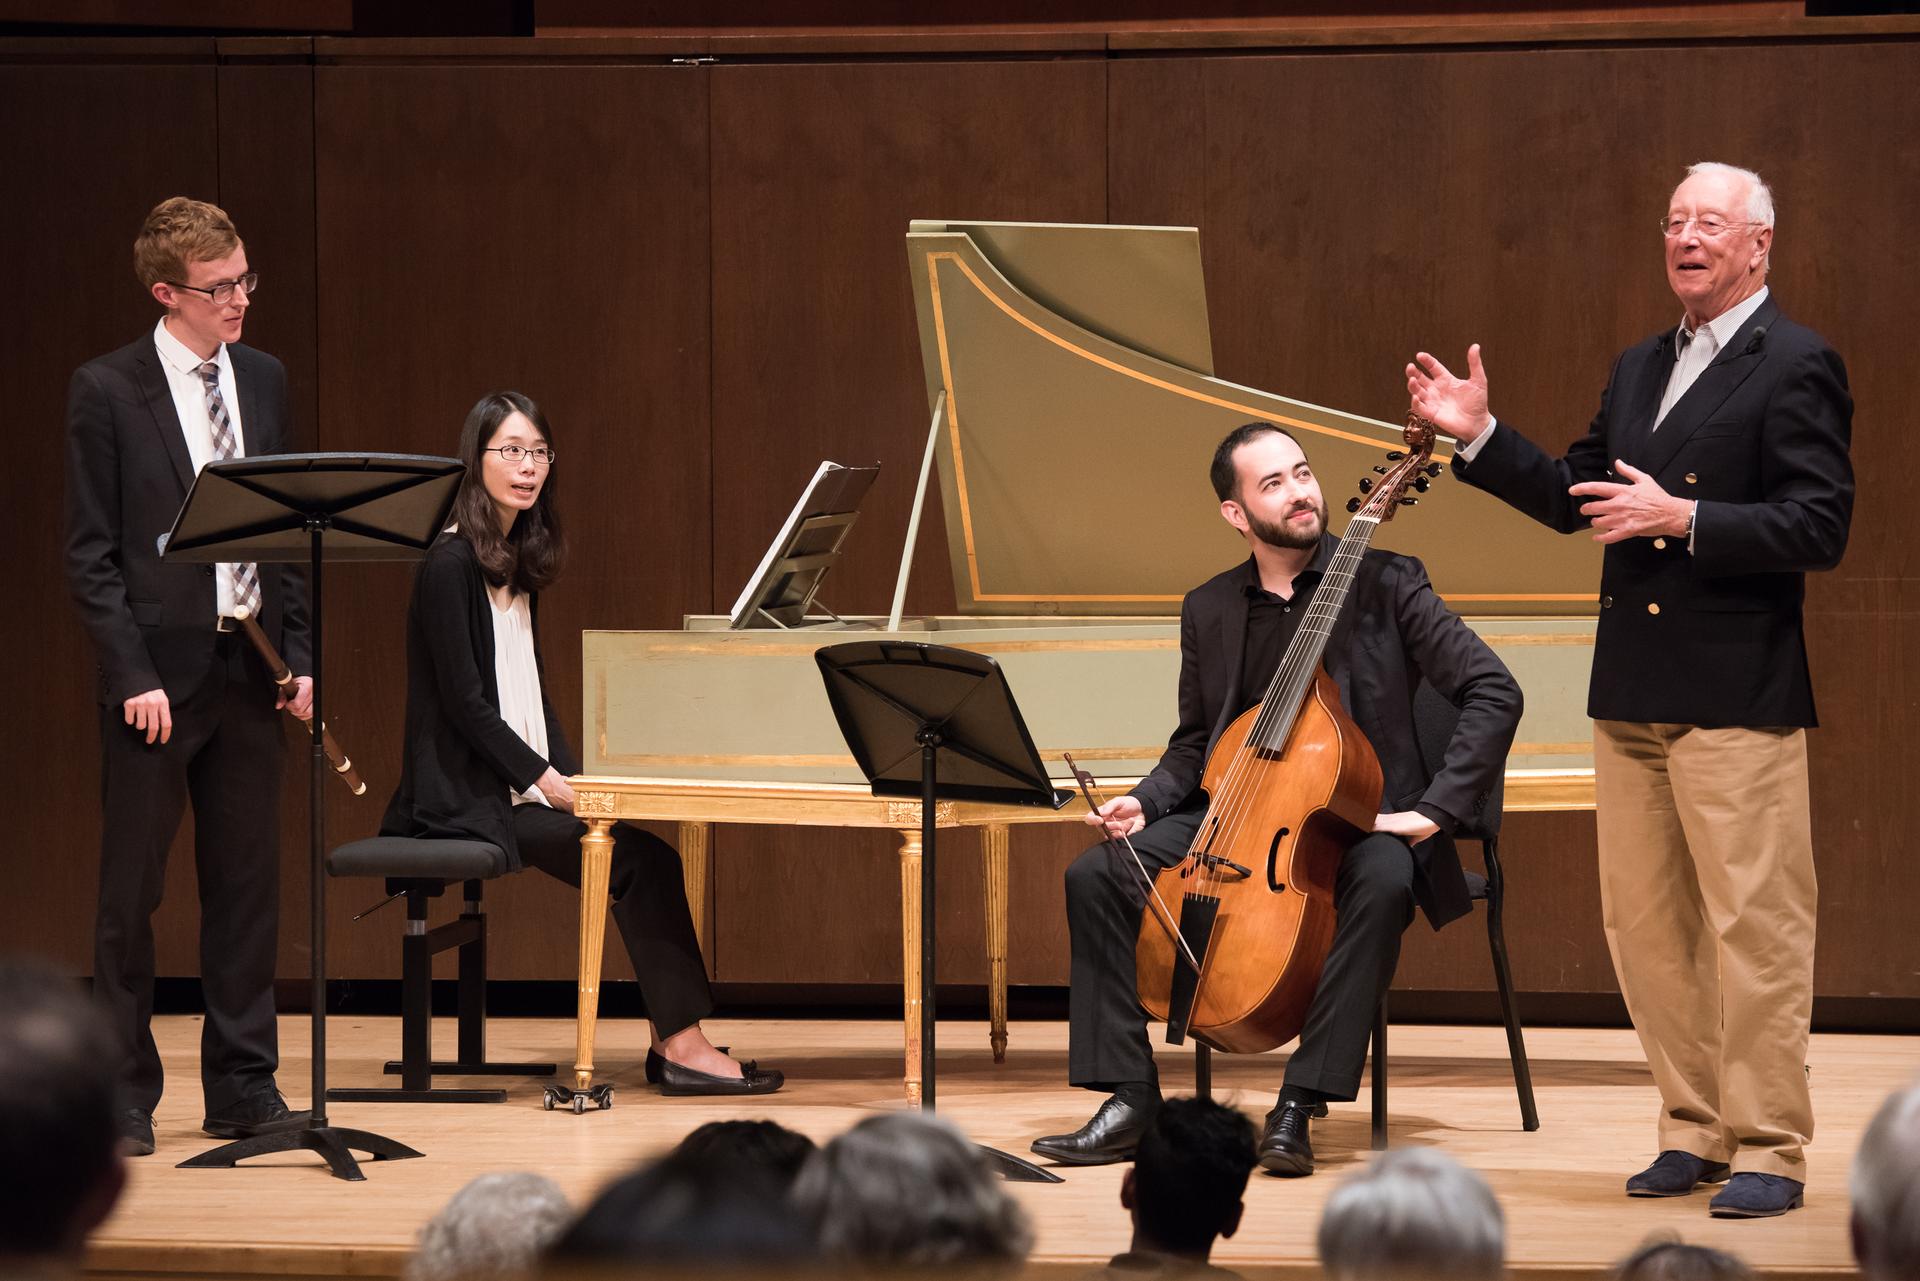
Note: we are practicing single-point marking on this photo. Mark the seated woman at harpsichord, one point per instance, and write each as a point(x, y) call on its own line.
point(485, 757)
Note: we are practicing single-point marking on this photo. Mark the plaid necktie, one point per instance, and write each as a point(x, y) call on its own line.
point(246, 576)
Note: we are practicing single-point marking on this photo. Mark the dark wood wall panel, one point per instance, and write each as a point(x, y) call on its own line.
point(88, 150)
point(816, 172)
point(541, 228)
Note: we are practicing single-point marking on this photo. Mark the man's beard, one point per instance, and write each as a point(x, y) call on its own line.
point(1284, 534)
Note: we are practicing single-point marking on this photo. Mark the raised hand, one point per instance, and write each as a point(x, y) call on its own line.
point(1457, 406)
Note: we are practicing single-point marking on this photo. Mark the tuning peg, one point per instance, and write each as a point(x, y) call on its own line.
point(1432, 469)
point(1381, 470)
point(1366, 484)
point(1409, 502)
point(1353, 504)
point(1420, 484)
point(1394, 455)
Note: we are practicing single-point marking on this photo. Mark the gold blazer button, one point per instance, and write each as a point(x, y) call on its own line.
point(1606, 602)
point(1660, 544)
point(1692, 479)
point(1653, 607)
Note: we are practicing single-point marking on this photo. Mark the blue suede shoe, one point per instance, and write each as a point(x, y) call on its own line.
point(1675, 1173)
point(1751, 1195)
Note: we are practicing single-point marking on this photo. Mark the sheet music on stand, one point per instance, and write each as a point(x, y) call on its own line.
point(784, 585)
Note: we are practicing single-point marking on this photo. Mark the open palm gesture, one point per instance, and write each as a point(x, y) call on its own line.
point(1457, 406)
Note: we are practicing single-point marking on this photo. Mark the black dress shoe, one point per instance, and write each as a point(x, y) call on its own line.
point(1285, 1146)
point(136, 1133)
point(1752, 1195)
point(753, 1079)
point(1112, 1135)
point(1675, 1173)
point(261, 1112)
point(654, 1061)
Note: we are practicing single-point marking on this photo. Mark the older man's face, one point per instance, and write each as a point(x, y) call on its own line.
point(1709, 274)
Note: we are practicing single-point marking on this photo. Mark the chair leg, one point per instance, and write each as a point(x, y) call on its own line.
point(1379, 1074)
point(473, 981)
point(1202, 1070)
point(1503, 978)
point(416, 999)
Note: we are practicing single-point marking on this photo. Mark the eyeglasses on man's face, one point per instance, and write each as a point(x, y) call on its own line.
point(248, 284)
point(1712, 226)
point(515, 453)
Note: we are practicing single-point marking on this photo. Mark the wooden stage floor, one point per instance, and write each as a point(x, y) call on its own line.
point(1451, 1089)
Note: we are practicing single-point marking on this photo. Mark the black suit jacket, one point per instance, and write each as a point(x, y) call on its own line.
point(1711, 638)
point(1393, 630)
point(128, 471)
point(460, 758)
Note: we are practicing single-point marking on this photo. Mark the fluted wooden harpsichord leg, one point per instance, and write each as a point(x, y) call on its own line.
point(695, 843)
point(596, 862)
point(912, 981)
point(993, 850)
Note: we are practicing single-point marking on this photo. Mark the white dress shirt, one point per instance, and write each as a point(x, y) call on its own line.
point(190, 402)
point(517, 677)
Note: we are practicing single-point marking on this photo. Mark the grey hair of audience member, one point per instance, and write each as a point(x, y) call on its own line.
point(59, 1124)
point(1412, 1212)
point(496, 1226)
point(1665, 1257)
point(1886, 1190)
point(907, 1190)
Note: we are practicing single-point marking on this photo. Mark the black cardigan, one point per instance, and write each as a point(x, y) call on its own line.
point(460, 759)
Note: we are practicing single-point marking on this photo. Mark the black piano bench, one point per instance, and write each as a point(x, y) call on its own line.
point(422, 870)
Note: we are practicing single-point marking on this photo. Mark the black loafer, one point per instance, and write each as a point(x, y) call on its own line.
point(262, 1112)
point(753, 1079)
point(654, 1061)
point(1286, 1149)
point(1111, 1135)
point(1676, 1173)
point(1752, 1195)
point(136, 1133)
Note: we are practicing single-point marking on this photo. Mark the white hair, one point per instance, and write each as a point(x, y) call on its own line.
point(1759, 194)
point(1886, 1189)
point(905, 1190)
point(1412, 1212)
point(496, 1226)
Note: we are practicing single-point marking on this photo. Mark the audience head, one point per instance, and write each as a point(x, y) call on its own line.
point(906, 1190)
point(496, 1226)
point(1412, 1212)
point(1886, 1190)
point(764, 1148)
point(1189, 1176)
point(689, 1210)
point(1667, 1258)
point(58, 1121)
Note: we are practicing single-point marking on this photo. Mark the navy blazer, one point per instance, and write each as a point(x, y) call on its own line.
point(128, 472)
point(459, 758)
point(1711, 638)
point(1392, 631)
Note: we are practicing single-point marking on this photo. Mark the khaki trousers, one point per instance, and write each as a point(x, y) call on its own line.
point(1707, 893)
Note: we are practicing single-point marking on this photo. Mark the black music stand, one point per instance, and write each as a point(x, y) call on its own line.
point(314, 507)
point(788, 579)
point(936, 723)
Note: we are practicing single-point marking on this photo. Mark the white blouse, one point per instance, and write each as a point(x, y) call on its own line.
point(517, 677)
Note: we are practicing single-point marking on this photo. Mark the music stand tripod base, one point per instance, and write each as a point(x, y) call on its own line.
point(334, 1144)
point(567, 1099)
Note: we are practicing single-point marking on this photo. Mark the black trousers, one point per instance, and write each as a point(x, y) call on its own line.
point(649, 906)
point(1107, 1028)
point(226, 755)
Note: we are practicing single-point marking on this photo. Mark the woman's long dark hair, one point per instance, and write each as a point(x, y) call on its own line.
point(531, 556)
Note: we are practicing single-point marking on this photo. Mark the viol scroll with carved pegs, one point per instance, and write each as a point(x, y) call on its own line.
point(1290, 784)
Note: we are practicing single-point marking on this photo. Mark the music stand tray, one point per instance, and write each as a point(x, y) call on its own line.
point(936, 723)
point(286, 508)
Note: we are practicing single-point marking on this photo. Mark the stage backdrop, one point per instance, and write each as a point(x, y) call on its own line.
point(697, 269)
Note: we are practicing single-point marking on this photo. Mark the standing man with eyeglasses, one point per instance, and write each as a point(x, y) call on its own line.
point(1717, 474)
point(187, 711)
